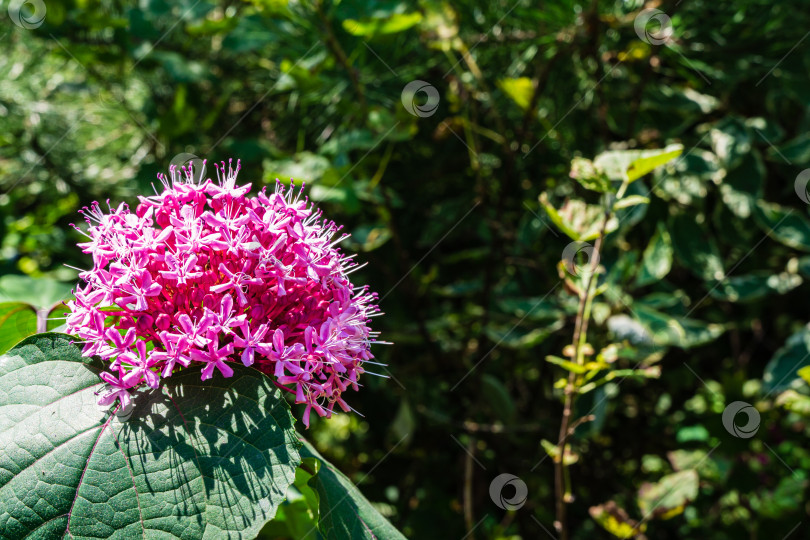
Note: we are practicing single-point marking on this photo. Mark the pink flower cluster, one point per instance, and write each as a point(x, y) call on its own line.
point(203, 273)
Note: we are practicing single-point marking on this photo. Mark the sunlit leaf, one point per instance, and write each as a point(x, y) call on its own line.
point(670, 495)
point(520, 90)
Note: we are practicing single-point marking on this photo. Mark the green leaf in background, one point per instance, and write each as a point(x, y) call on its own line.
point(786, 225)
point(631, 165)
point(669, 496)
point(368, 27)
point(680, 332)
point(41, 293)
point(17, 321)
point(520, 90)
point(195, 459)
point(521, 337)
point(23, 301)
point(786, 498)
point(707, 466)
point(588, 175)
point(578, 220)
point(498, 398)
point(804, 373)
point(616, 521)
point(695, 249)
point(781, 372)
point(344, 512)
point(752, 287)
point(742, 186)
point(657, 259)
point(731, 141)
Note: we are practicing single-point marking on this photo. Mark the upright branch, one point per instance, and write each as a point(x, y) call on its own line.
point(562, 481)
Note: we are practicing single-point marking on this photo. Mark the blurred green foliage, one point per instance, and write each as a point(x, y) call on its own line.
point(704, 274)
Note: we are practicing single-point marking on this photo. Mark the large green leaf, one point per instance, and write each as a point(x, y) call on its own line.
point(195, 459)
point(344, 512)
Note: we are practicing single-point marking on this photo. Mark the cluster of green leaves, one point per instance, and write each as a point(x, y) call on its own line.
point(464, 215)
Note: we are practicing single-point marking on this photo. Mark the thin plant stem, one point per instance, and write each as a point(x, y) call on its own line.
point(562, 478)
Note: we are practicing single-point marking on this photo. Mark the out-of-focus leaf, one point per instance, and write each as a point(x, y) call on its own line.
point(742, 186)
point(695, 249)
point(786, 498)
point(670, 495)
point(616, 521)
point(369, 237)
point(532, 308)
point(688, 183)
point(731, 141)
point(391, 24)
point(578, 220)
point(301, 167)
point(794, 402)
point(754, 286)
point(781, 373)
point(708, 466)
point(795, 150)
point(588, 175)
point(403, 426)
point(521, 337)
point(657, 260)
point(804, 373)
point(623, 327)
point(631, 165)
point(498, 397)
point(520, 90)
point(17, 321)
point(40, 293)
point(785, 225)
point(677, 331)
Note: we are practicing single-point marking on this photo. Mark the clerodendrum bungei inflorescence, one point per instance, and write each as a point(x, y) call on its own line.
point(203, 273)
